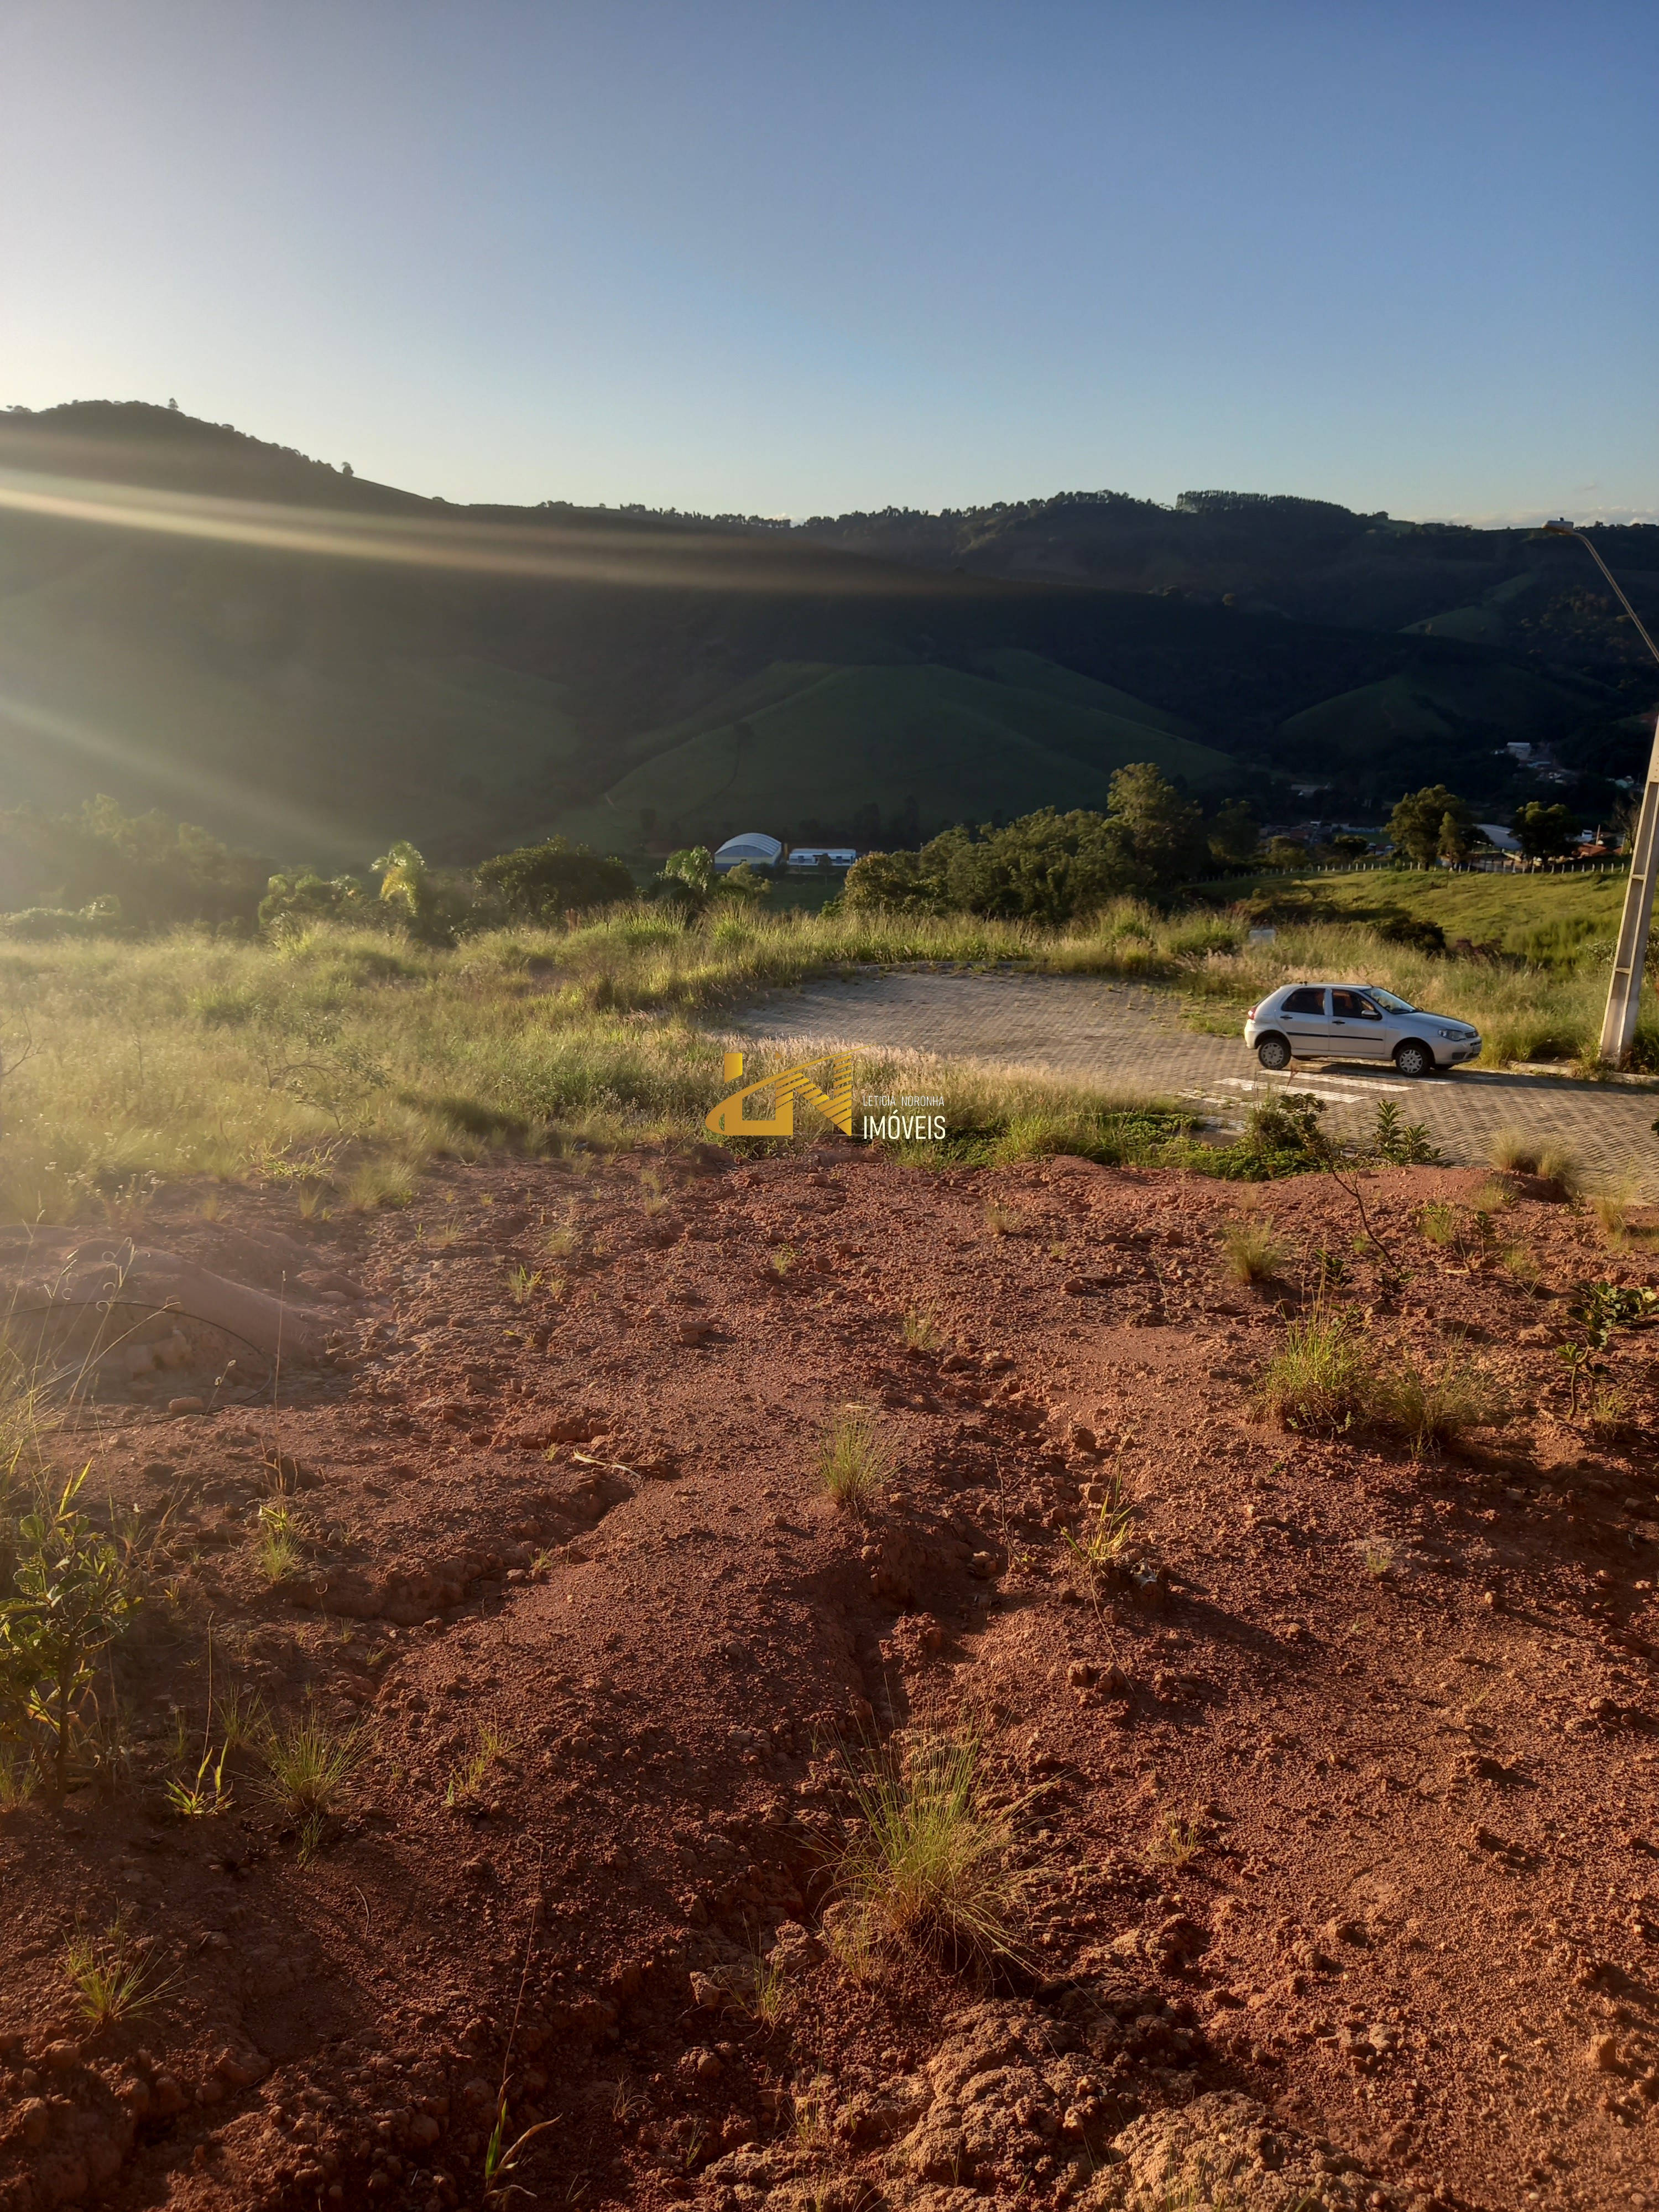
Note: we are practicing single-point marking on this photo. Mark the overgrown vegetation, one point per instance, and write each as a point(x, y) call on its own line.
point(344, 1048)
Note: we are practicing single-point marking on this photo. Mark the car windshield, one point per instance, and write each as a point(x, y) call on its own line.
point(1388, 1001)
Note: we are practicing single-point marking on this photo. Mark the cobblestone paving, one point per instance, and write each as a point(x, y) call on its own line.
point(1129, 1040)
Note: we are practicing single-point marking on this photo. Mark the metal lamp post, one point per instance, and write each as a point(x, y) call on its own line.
point(1630, 953)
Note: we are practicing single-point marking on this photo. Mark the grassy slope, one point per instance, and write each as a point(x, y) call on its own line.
point(1425, 704)
point(355, 1057)
point(841, 739)
point(1487, 909)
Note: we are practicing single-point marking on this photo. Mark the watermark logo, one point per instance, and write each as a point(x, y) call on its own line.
point(907, 1126)
point(728, 1119)
point(779, 1093)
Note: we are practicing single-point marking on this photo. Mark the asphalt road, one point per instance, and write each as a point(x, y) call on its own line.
point(1119, 1037)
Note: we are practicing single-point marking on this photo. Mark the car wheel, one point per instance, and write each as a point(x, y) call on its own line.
point(1273, 1052)
point(1414, 1059)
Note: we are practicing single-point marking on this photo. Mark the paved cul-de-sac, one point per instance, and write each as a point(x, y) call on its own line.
point(1129, 1040)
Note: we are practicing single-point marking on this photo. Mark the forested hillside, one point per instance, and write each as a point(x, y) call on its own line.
point(309, 662)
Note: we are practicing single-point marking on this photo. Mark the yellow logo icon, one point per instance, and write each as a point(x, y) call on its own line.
point(729, 1120)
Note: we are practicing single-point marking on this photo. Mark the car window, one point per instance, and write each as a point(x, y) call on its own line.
point(1348, 1005)
point(1390, 1005)
point(1305, 1001)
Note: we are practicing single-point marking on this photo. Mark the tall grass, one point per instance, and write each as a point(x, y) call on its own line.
point(347, 1059)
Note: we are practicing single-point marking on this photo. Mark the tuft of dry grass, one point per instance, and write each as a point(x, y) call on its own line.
point(1560, 1164)
point(855, 1460)
point(921, 1331)
point(1002, 1221)
point(1611, 1203)
point(1513, 1151)
point(928, 1865)
point(1254, 1254)
point(1436, 1408)
point(1438, 1224)
point(279, 1541)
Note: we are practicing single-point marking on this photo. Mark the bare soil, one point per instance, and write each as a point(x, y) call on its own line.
point(1335, 1804)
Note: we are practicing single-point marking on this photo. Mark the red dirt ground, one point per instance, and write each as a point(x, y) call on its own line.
point(1337, 1813)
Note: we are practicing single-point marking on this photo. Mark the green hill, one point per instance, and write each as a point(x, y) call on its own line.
point(886, 750)
point(311, 665)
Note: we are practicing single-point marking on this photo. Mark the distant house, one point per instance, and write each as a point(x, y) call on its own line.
point(822, 858)
point(1496, 834)
point(753, 846)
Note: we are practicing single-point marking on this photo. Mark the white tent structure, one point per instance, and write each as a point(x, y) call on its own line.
point(751, 845)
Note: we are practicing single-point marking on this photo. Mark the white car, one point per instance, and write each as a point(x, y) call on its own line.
point(1355, 1021)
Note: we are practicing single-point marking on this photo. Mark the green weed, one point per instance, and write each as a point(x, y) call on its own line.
point(115, 1975)
point(308, 1767)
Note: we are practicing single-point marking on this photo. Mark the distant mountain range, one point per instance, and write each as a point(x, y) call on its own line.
point(312, 664)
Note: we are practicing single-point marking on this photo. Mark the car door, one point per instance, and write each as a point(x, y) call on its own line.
point(1358, 1030)
point(1303, 1018)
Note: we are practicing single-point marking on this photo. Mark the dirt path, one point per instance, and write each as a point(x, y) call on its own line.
point(1123, 1038)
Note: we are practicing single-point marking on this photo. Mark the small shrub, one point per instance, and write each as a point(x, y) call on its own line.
point(1513, 1151)
point(1001, 1221)
point(1252, 1251)
point(73, 1594)
point(782, 1261)
point(307, 1766)
point(1322, 1378)
point(1377, 1557)
point(1438, 1223)
point(115, 1975)
point(929, 1866)
point(855, 1458)
point(1608, 1410)
point(17, 1779)
point(1284, 1134)
point(921, 1331)
point(1401, 1144)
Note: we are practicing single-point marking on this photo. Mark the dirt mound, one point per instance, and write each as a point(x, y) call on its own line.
point(1321, 1775)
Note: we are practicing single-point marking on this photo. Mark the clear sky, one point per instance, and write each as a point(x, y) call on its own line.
point(799, 256)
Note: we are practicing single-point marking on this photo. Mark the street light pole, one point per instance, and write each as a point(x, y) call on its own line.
point(1630, 953)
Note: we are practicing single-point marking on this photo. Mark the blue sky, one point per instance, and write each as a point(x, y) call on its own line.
point(784, 257)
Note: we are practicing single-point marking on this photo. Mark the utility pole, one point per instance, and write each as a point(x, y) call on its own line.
point(1630, 953)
